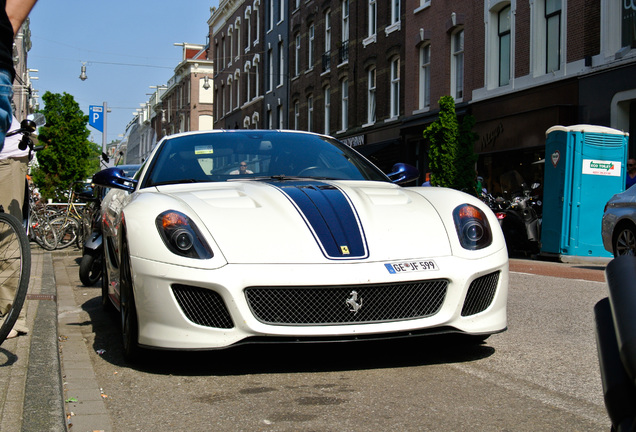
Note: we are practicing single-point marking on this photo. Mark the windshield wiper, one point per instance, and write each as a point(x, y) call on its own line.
point(169, 182)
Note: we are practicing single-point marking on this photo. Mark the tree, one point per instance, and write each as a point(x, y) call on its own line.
point(67, 153)
point(451, 153)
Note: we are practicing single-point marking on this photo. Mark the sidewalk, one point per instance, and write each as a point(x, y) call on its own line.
point(50, 365)
point(30, 374)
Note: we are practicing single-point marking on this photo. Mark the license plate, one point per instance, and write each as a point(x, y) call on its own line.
point(411, 266)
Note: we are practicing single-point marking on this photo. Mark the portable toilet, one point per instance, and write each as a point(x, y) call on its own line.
point(584, 166)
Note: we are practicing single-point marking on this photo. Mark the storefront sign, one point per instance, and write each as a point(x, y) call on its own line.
point(603, 168)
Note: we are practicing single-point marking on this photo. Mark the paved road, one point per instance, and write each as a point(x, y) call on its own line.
point(542, 374)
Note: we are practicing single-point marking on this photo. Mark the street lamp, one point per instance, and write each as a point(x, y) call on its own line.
point(83, 74)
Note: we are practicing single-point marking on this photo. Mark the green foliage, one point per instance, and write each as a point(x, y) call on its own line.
point(451, 153)
point(67, 153)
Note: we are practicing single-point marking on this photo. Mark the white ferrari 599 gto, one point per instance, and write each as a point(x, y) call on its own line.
point(246, 236)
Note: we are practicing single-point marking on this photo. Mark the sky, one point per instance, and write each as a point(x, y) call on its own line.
point(127, 46)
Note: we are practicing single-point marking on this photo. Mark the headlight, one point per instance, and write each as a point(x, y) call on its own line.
point(472, 227)
point(181, 235)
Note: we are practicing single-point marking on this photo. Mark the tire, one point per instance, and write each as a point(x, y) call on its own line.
point(67, 229)
point(107, 305)
point(128, 311)
point(15, 270)
point(625, 241)
point(90, 269)
point(45, 235)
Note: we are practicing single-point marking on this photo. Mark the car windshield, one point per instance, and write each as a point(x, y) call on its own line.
point(256, 155)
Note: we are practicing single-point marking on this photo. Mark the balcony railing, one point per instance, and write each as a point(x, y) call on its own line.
point(326, 61)
point(343, 52)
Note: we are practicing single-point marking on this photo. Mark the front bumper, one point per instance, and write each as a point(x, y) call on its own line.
point(168, 321)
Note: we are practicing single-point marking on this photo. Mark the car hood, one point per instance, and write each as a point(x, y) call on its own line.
point(313, 221)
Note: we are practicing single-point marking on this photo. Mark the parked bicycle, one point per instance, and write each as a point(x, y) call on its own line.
point(15, 251)
point(70, 224)
point(38, 225)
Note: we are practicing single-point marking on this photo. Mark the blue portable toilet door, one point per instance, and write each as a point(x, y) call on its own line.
point(599, 162)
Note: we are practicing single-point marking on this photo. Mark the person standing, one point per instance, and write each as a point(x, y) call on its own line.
point(13, 172)
point(630, 178)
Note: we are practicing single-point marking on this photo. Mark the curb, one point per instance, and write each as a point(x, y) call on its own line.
point(43, 408)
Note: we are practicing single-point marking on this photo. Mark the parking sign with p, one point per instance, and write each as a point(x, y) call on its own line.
point(96, 117)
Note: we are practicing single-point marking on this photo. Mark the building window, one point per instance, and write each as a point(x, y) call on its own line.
point(425, 77)
point(371, 110)
point(553, 35)
point(326, 57)
point(272, 9)
point(238, 39)
point(281, 117)
point(237, 84)
point(281, 63)
point(372, 28)
point(248, 30)
point(457, 65)
point(230, 34)
point(248, 82)
point(345, 21)
point(310, 114)
point(327, 109)
point(296, 115)
point(270, 70)
point(230, 92)
point(327, 31)
point(224, 52)
point(257, 21)
point(257, 83)
point(628, 18)
point(279, 10)
point(344, 117)
point(297, 58)
point(395, 11)
point(503, 32)
point(310, 47)
point(395, 88)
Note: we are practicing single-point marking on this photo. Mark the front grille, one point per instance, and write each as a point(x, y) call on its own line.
point(346, 304)
point(202, 306)
point(480, 294)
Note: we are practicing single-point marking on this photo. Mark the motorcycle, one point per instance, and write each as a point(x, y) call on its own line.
point(520, 215)
point(90, 270)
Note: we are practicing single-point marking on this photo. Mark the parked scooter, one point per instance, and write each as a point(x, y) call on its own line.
point(90, 270)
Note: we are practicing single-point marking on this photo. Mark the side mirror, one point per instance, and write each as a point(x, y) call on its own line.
point(115, 178)
point(403, 173)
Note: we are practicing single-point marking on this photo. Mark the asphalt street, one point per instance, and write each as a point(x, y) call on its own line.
point(47, 381)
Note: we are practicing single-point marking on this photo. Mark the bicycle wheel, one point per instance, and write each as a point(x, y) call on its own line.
point(15, 270)
point(66, 229)
point(45, 235)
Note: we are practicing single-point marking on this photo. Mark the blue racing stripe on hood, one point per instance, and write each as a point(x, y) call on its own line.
point(330, 216)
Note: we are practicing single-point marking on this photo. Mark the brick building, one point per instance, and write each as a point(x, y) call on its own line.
point(370, 73)
point(237, 39)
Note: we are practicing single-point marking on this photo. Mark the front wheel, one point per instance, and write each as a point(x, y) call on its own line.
point(625, 241)
point(128, 311)
point(66, 229)
point(90, 269)
point(45, 235)
point(15, 269)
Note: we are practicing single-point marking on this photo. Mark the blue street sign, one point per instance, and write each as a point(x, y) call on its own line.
point(96, 117)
